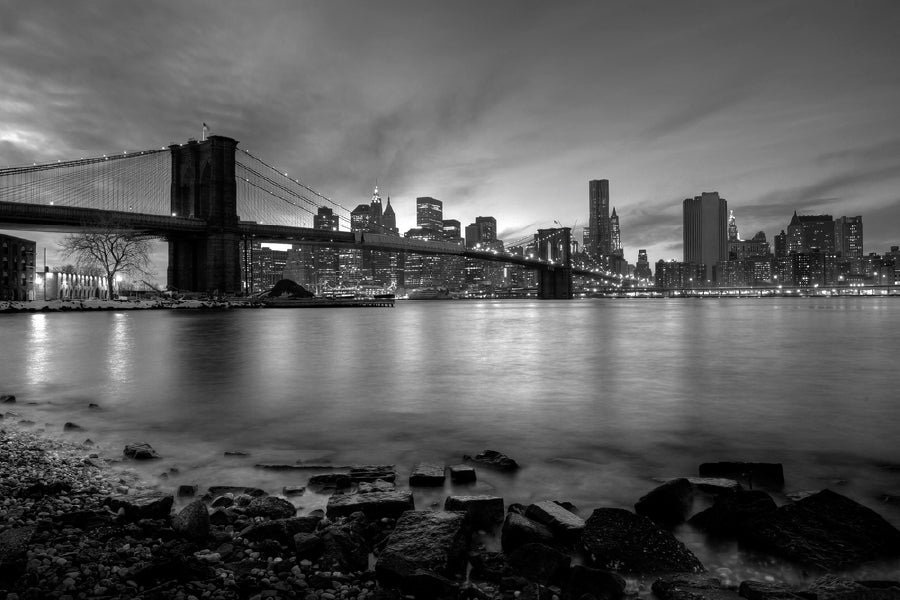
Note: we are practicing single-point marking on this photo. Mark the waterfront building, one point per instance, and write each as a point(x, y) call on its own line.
point(674, 275)
point(262, 267)
point(598, 226)
point(848, 237)
point(16, 268)
point(705, 231)
point(389, 219)
point(739, 249)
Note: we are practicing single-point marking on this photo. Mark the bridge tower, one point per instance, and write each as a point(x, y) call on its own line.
point(555, 281)
point(203, 187)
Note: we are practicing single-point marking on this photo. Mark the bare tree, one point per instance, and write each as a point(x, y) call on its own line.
point(111, 248)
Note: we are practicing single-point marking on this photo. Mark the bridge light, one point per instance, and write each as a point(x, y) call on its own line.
point(174, 214)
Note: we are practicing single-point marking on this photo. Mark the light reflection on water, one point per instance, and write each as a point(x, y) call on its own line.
point(595, 398)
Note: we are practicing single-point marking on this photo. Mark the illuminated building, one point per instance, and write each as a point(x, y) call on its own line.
point(16, 268)
point(598, 204)
point(705, 231)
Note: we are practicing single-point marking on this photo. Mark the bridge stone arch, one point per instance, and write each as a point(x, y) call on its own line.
point(203, 187)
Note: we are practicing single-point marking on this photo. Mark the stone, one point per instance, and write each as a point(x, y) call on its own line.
point(192, 521)
point(602, 585)
point(669, 504)
point(14, 542)
point(375, 505)
point(235, 453)
point(280, 530)
point(344, 547)
point(141, 506)
point(731, 512)
point(691, 587)
point(620, 540)
point(540, 563)
point(375, 486)
point(7, 399)
point(293, 490)
point(221, 490)
point(462, 474)
point(488, 566)
point(372, 472)
point(766, 590)
point(495, 460)
point(94, 406)
point(833, 587)
point(140, 451)
point(427, 475)
point(754, 473)
point(70, 426)
point(219, 518)
point(186, 491)
point(483, 512)
point(519, 530)
point(223, 501)
point(40, 489)
point(332, 481)
point(271, 507)
point(565, 525)
point(84, 519)
point(826, 531)
point(423, 543)
point(308, 546)
point(715, 485)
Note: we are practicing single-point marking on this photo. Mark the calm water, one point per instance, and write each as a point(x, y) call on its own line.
point(595, 398)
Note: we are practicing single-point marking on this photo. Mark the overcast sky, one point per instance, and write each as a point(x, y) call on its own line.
point(496, 108)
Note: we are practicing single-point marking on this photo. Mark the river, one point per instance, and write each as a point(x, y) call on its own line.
point(597, 399)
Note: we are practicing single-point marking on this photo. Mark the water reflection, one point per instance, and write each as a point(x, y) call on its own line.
point(36, 346)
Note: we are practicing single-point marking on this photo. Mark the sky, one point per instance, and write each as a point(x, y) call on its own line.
point(501, 108)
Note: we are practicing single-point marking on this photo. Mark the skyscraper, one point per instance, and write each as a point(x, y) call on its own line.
point(430, 215)
point(848, 237)
point(598, 197)
point(389, 219)
point(615, 237)
point(705, 231)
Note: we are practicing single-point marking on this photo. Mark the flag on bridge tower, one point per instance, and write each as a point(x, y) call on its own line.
point(204, 133)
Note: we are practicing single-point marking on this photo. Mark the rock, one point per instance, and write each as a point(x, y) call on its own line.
point(70, 426)
point(7, 399)
point(140, 451)
point(14, 542)
point(427, 475)
point(488, 566)
point(691, 587)
point(344, 547)
point(825, 531)
point(765, 590)
point(376, 486)
point(293, 490)
point(423, 544)
point(186, 491)
point(40, 489)
point(84, 519)
point(280, 530)
point(332, 481)
point(669, 504)
point(519, 530)
point(141, 506)
point(730, 512)
point(235, 453)
point(372, 472)
point(764, 474)
point(495, 460)
point(541, 563)
point(565, 525)
point(94, 406)
point(219, 518)
point(221, 490)
point(832, 587)
point(483, 512)
point(193, 521)
point(271, 507)
point(223, 501)
point(462, 473)
point(715, 485)
point(602, 585)
point(620, 540)
point(375, 505)
point(308, 546)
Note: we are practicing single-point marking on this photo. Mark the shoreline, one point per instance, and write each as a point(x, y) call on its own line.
point(60, 535)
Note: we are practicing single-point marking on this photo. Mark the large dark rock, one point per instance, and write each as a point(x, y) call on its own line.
point(330, 481)
point(308, 546)
point(564, 524)
point(669, 504)
point(483, 512)
point(271, 507)
point(39, 489)
point(280, 530)
point(495, 460)
point(427, 475)
point(826, 531)
point(141, 506)
point(14, 542)
point(289, 289)
point(193, 521)
point(715, 485)
point(622, 541)
point(84, 519)
point(488, 566)
point(754, 473)
point(731, 512)
point(600, 584)
point(431, 542)
point(833, 587)
point(375, 505)
point(692, 587)
point(221, 490)
point(540, 563)
point(462, 473)
point(372, 472)
point(519, 530)
point(7, 399)
point(344, 547)
point(140, 451)
point(765, 590)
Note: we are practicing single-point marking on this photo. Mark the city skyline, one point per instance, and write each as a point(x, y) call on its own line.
point(503, 110)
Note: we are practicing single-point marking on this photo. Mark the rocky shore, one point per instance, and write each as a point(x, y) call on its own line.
point(38, 306)
point(73, 526)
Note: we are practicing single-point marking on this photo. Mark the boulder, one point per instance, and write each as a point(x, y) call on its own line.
point(765, 590)
point(235, 490)
point(293, 490)
point(308, 546)
point(692, 587)
point(826, 531)
point(375, 505)
point(731, 512)
point(141, 506)
point(186, 491)
point(669, 504)
point(427, 475)
point(280, 530)
point(84, 519)
point(140, 451)
point(754, 473)
point(602, 585)
point(519, 530)
point(193, 521)
point(330, 481)
point(620, 540)
point(423, 543)
point(7, 399)
point(70, 426)
point(271, 507)
point(376, 486)
point(483, 512)
point(715, 485)
point(540, 563)
point(39, 489)
point(832, 587)
point(372, 472)
point(488, 566)
point(494, 460)
point(462, 474)
point(344, 547)
point(565, 525)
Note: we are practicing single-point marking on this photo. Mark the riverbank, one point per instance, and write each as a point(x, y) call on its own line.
point(77, 521)
point(35, 306)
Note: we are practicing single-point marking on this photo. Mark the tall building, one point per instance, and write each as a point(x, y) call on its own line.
point(389, 219)
point(848, 237)
point(642, 269)
point(598, 198)
point(705, 231)
point(733, 235)
point(16, 268)
point(811, 232)
point(375, 209)
point(615, 239)
point(429, 214)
